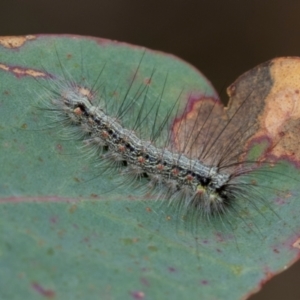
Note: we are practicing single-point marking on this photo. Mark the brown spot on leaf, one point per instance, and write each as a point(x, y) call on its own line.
point(73, 208)
point(28, 72)
point(145, 281)
point(15, 41)
point(152, 248)
point(21, 71)
point(138, 295)
point(59, 147)
point(264, 105)
point(95, 196)
point(4, 67)
point(42, 291)
point(280, 119)
point(297, 244)
point(54, 219)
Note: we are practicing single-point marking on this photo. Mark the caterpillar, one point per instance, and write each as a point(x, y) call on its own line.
point(177, 142)
point(200, 167)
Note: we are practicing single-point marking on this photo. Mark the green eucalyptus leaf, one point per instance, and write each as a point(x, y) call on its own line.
point(68, 230)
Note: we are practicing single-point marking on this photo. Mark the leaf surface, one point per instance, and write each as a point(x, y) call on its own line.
point(70, 231)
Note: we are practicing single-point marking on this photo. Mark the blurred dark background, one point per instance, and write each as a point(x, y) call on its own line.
point(222, 38)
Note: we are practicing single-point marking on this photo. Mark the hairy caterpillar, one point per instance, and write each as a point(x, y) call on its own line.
point(193, 157)
point(177, 141)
